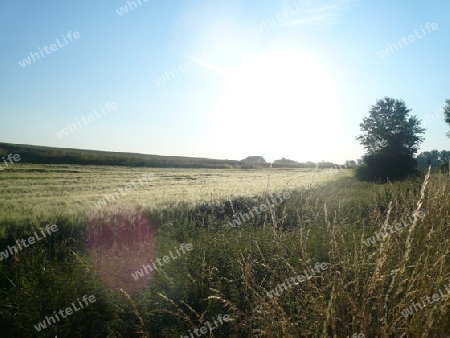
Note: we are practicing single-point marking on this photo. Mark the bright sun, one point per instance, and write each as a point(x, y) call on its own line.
point(279, 104)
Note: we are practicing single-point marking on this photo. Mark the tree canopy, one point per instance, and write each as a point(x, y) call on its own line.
point(389, 128)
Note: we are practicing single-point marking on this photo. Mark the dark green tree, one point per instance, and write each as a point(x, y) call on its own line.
point(447, 113)
point(391, 138)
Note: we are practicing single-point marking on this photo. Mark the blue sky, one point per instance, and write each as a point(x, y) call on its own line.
point(236, 78)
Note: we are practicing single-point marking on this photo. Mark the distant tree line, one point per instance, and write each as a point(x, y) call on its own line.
point(254, 162)
point(434, 158)
point(50, 155)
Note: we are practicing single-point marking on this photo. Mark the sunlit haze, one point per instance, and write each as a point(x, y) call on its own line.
point(218, 79)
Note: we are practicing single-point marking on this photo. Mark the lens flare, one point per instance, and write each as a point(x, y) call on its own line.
point(120, 241)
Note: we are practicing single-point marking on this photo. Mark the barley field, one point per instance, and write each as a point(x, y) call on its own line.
point(73, 189)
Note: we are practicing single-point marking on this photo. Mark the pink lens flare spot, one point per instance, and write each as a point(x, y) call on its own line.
point(121, 241)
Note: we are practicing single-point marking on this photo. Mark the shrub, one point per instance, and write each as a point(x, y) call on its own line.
point(363, 173)
point(387, 167)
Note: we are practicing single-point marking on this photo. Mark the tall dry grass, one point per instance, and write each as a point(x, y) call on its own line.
point(365, 288)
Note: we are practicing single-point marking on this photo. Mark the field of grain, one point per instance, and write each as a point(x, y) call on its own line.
point(71, 189)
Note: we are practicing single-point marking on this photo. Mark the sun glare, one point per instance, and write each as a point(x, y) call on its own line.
point(282, 103)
